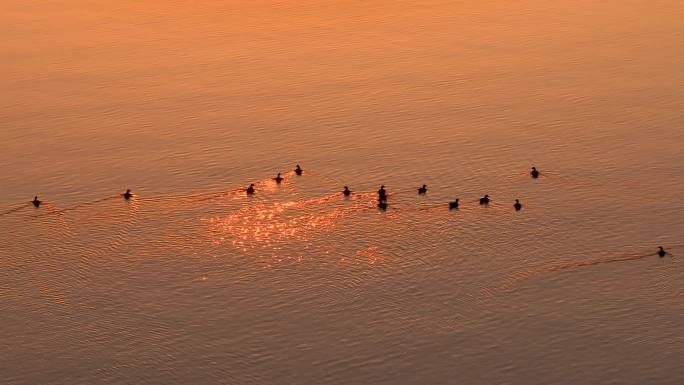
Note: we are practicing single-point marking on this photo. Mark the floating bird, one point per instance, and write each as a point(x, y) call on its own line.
point(453, 205)
point(127, 195)
point(661, 252)
point(517, 205)
point(534, 172)
point(278, 178)
point(346, 191)
point(382, 194)
point(422, 190)
point(250, 189)
point(36, 202)
point(484, 200)
point(298, 170)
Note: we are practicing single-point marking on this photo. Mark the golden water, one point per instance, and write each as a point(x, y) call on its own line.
point(192, 282)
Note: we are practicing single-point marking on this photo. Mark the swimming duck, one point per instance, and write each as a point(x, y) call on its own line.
point(278, 178)
point(35, 201)
point(298, 170)
point(382, 193)
point(484, 200)
point(422, 190)
point(250, 189)
point(534, 172)
point(517, 205)
point(346, 191)
point(453, 205)
point(661, 252)
point(127, 195)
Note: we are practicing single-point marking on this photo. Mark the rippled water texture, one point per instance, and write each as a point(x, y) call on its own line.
point(193, 282)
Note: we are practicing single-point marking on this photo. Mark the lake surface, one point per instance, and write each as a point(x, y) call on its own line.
point(193, 282)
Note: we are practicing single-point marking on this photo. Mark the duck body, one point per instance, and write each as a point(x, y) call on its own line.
point(250, 189)
point(517, 205)
point(382, 205)
point(346, 191)
point(534, 172)
point(453, 205)
point(127, 195)
point(278, 178)
point(422, 190)
point(661, 252)
point(298, 170)
point(36, 202)
point(382, 194)
point(484, 200)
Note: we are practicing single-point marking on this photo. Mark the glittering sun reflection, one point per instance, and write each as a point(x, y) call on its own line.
point(276, 225)
point(371, 255)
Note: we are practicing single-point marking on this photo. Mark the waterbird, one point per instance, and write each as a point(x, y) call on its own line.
point(517, 205)
point(534, 172)
point(453, 205)
point(422, 190)
point(661, 252)
point(278, 178)
point(298, 170)
point(382, 193)
point(127, 195)
point(35, 201)
point(250, 189)
point(484, 200)
point(346, 191)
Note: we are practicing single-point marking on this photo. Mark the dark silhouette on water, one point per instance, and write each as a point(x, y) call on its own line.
point(453, 205)
point(382, 205)
point(298, 170)
point(484, 200)
point(382, 194)
point(127, 195)
point(534, 172)
point(422, 190)
point(278, 178)
point(250, 189)
point(661, 252)
point(517, 205)
point(346, 191)
point(36, 202)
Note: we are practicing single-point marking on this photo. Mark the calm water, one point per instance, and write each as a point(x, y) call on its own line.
point(192, 282)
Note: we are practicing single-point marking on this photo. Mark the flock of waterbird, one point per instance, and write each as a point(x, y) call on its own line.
point(382, 197)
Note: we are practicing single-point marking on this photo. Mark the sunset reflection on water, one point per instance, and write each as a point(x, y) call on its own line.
point(272, 225)
point(193, 281)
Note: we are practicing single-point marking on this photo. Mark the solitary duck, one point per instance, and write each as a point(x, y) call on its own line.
point(127, 195)
point(278, 178)
point(250, 189)
point(484, 200)
point(453, 205)
point(534, 172)
point(382, 193)
point(346, 191)
point(298, 170)
point(661, 252)
point(422, 190)
point(35, 201)
point(517, 205)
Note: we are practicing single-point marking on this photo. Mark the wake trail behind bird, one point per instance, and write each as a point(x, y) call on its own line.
point(568, 267)
point(14, 209)
point(78, 206)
